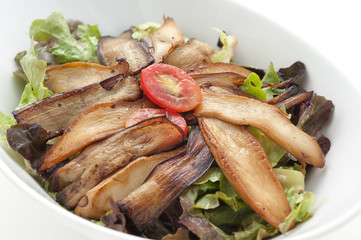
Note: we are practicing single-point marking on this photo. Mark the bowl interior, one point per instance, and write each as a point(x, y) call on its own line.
point(259, 42)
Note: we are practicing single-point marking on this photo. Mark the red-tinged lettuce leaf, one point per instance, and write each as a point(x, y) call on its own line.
point(113, 219)
point(29, 140)
point(289, 74)
point(180, 234)
point(292, 73)
point(313, 116)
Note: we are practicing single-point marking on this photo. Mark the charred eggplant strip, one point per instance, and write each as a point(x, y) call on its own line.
point(245, 164)
point(220, 68)
point(145, 204)
point(268, 118)
point(165, 38)
point(96, 202)
point(111, 49)
point(110, 118)
point(62, 78)
point(56, 113)
point(190, 55)
point(102, 158)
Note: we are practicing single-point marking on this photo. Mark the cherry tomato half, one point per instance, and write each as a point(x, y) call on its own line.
point(144, 113)
point(170, 87)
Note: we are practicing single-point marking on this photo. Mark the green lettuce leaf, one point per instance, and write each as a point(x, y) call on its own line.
point(34, 70)
point(290, 178)
point(66, 47)
point(6, 121)
point(274, 151)
point(229, 43)
point(271, 75)
point(255, 228)
point(214, 205)
point(300, 203)
point(143, 30)
point(253, 84)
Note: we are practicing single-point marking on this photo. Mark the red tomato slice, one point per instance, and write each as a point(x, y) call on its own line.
point(144, 113)
point(170, 87)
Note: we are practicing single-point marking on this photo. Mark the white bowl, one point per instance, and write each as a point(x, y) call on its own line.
point(260, 41)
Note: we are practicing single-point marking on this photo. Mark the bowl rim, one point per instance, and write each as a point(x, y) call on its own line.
point(328, 228)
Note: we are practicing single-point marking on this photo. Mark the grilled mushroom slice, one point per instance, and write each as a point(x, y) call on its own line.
point(73, 75)
point(165, 38)
point(96, 201)
point(294, 100)
point(102, 158)
point(220, 67)
point(289, 92)
point(111, 49)
point(245, 164)
point(190, 55)
point(109, 119)
point(220, 79)
point(167, 181)
point(269, 119)
point(56, 113)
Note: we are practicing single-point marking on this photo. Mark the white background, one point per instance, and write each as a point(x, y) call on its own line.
point(332, 27)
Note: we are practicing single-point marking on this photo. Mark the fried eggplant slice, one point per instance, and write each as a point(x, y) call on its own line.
point(165, 38)
point(190, 55)
point(96, 201)
point(267, 118)
point(57, 112)
point(100, 159)
point(109, 119)
point(136, 53)
point(62, 78)
point(167, 181)
point(245, 164)
point(220, 67)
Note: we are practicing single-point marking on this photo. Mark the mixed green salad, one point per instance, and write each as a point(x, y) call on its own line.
point(208, 204)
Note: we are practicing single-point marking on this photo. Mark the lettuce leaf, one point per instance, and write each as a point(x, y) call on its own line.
point(143, 30)
point(229, 43)
point(271, 75)
point(290, 178)
point(300, 203)
point(6, 121)
point(253, 84)
point(274, 151)
point(34, 70)
point(213, 210)
point(66, 47)
point(213, 206)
